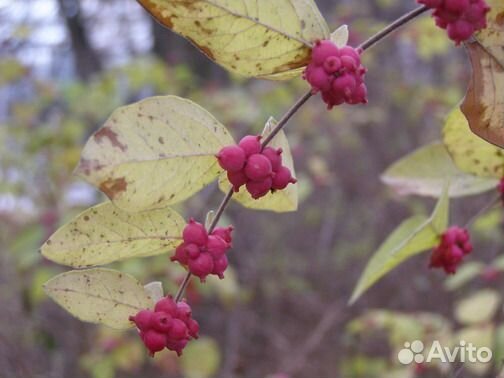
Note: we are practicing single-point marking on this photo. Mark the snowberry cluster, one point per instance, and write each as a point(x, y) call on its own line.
point(259, 169)
point(453, 247)
point(337, 73)
point(201, 253)
point(170, 325)
point(460, 18)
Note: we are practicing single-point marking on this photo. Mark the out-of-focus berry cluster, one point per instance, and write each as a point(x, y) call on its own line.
point(460, 18)
point(454, 245)
point(169, 326)
point(337, 73)
point(201, 253)
point(259, 169)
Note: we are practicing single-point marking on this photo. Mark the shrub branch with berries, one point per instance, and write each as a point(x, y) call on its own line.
point(162, 150)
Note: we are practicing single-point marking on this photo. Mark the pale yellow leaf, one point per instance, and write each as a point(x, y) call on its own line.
point(425, 170)
point(469, 152)
point(155, 290)
point(255, 38)
point(478, 308)
point(340, 36)
point(492, 37)
point(483, 104)
point(281, 200)
point(104, 233)
point(154, 153)
point(99, 295)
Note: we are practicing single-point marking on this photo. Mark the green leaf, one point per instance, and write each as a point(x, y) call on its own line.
point(281, 200)
point(201, 358)
point(265, 39)
point(99, 295)
point(425, 170)
point(154, 153)
point(480, 307)
point(469, 152)
point(414, 235)
point(104, 233)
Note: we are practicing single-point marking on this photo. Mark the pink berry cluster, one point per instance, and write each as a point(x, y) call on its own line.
point(337, 73)
point(201, 253)
point(454, 245)
point(259, 169)
point(460, 18)
point(170, 325)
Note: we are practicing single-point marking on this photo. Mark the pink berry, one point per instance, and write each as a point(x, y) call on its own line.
point(184, 311)
point(154, 341)
point(166, 305)
point(220, 265)
point(177, 345)
point(231, 158)
point(322, 50)
point(274, 156)
point(258, 189)
point(237, 179)
point(345, 85)
point(143, 319)
point(456, 6)
point(453, 247)
point(201, 266)
point(460, 30)
point(192, 251)
point(258, 167)
point(224, 233)
point(195, 233)
point(251, 144)
point(283, 177)
point(178, 330)
point(216, 246)
point(180, 254)
point(332, 64)
point(161, 321)
point(318, 78)
point(193, 327)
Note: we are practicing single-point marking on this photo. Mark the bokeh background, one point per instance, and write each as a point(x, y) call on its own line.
point(282, 311)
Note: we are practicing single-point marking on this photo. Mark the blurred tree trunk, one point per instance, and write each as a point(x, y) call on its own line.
point(87, 61)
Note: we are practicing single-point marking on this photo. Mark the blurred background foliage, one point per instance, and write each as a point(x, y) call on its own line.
point(281, 311)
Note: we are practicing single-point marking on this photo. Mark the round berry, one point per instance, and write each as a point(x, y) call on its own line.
point(332, 64)
point(193, 327)
point(184, 311)
point(283, 177)
point(154, 341)
point(224, 233)
point(201, 266)
point(216, 246)
point(142, 319)
point(192, 251)
point(258, 189)
point(220, 265)
point(251, 144)
point(231, 158)
point(178, 330)
point(258, 167)
point(180, 254)
point(274, 156)
point(195, 233)
point(161, 321)
point(237, 179)
point(318, 78)
point(322, 50)
point(166, 305)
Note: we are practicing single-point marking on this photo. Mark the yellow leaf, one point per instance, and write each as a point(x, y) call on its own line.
point(425, 170)
point(257, 38)
point(483, 104)
point(154, 153)
point(281, 200)
point(99, 295)
point(104, 233)
point(469, 152)
point(492, 37)
point(480, 307)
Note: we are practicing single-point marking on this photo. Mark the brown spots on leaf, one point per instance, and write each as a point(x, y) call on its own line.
point(266, 43)
point(86, 218)
point(107, 133)
point(161, 140)
point(499, 19)
point(204, 49)
point(113, 187)
point(87, 166)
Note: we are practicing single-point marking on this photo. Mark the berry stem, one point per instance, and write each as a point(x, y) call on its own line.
point(287, 116)
point(393, 26)
point(283, 121)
